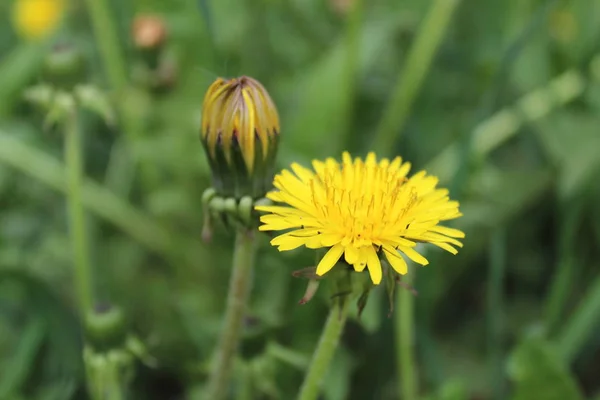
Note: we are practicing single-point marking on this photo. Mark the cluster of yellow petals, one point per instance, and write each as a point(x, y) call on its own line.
point(361, 210)
point(37, 19)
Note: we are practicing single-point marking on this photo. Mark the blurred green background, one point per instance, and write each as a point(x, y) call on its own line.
point(500, 98)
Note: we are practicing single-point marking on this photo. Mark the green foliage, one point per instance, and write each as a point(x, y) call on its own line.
point(539, 373)
point(505, 113)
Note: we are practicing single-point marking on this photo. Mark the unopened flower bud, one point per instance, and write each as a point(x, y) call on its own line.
point(64, 67)
point(148, 31)
point(240, 134)
point(105, 327)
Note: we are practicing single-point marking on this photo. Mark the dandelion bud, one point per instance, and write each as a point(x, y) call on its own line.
point(64, 67)
point(148, 31)
point(240, 134)
point(105, 327)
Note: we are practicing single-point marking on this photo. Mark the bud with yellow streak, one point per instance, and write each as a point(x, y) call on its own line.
point(240, 133)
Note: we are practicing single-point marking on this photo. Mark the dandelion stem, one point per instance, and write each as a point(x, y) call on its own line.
point(74, 170)
point(239, 289)
point(405, 348)
point(323, 355)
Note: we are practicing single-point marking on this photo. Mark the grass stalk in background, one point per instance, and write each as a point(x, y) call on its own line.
point(412, 75)
point(108, 41)
point(505, 123)
point(353, 35)
point(328, 343)
point(495, 310)
point(102, 202)
point(237, 298)
point(123, 159)
point(582, 324)
point(405, 342)
point(564, 275)
point(81, 258)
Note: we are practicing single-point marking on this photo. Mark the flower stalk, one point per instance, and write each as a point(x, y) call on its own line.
point(328, 343)
point(74, 163)
point(405, 342)
point(239, 289)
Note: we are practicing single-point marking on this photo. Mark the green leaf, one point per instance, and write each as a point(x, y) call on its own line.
point(538, 373)
point(453, 389)
point(571, 140)
point(17, 371)
point(49, 351)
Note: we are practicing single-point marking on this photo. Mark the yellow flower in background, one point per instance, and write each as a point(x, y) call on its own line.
point(240, 133)
point(36, 19)
point(361, 211)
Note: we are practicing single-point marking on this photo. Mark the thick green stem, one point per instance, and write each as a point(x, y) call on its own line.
point(418, 63)
point(405, 344)
point(74, 164)
point(239, 289)
point(323, 355)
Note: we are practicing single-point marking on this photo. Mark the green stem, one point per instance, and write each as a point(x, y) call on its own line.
point(239, 289)
point(497, 265)
point(323, 355)
point(405, 344)
point(564, 276)
point(124, 159)
point(74, 164)
point(582, 324)
point(108, 41)
point(418, 63)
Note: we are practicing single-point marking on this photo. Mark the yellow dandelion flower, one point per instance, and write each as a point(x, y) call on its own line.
point(36, 19)
point(240, 133)
point(361, 210)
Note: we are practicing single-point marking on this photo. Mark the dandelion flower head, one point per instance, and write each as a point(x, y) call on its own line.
point(361, 210)
point(37, 19)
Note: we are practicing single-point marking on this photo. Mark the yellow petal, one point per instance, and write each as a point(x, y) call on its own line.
point(304, 174)
point(314, 242)
point(374, 266)
point(395, 260)
point(446, 247)
point(329, 259)
point(285, 243)
point(448, 231)
point(437, 237)
point(329, 239)
point(413, 255)
point(351, 254)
